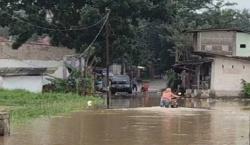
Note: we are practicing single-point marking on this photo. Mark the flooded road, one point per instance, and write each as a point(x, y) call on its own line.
point(226, 122)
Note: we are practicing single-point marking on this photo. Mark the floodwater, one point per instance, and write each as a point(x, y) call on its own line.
point(220, 122)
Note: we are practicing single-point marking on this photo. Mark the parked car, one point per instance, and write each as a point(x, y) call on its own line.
point(120, 83)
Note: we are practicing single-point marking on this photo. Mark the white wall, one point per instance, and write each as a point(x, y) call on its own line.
point(227, 81)
point(243, 38)
point(116, 69)
point(36, 64)
point(29, 83)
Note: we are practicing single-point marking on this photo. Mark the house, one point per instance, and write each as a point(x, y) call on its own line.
point(31, 61)
point(30, 79)
point(220, 61)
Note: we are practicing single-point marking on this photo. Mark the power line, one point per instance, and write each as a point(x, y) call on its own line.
point(87, 49)
point(52, 29)
point(95, 38)
point(105, 18)
point(90, 45)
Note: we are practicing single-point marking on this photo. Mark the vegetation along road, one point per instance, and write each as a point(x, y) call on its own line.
point(24, 105)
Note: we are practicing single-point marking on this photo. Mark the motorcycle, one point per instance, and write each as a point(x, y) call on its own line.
point(174, 103)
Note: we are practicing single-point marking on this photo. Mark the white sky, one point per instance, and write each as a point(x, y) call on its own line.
point(242, 4)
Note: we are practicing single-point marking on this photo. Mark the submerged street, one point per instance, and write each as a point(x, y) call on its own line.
point(220, 122)
point(95, 72)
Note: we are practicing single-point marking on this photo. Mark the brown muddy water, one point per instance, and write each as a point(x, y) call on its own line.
point(221, 122)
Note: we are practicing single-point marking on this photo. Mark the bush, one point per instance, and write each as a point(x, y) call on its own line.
point(75, 83)
point(246, 88)
point(171, 79)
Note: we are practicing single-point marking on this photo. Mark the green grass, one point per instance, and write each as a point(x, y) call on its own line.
point(25, 105)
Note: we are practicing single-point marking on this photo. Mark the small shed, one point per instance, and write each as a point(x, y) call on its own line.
point(30, 79)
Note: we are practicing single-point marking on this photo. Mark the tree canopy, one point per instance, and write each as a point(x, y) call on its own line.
point(142, 31)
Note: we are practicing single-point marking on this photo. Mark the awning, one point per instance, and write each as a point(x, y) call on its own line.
point(141, 67)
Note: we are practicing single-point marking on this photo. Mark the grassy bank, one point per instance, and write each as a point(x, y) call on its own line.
point(26, 105)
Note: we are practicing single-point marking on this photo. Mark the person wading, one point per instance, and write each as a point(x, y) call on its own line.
point(166, 98)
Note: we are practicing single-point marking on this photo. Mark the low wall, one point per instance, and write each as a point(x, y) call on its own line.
point(212, 94)
point(29, 83)
point(227, 75)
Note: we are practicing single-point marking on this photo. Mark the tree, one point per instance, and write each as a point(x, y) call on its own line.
point(28, 17)
point(142, 31)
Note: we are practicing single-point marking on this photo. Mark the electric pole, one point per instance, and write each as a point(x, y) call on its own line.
point(107, 57)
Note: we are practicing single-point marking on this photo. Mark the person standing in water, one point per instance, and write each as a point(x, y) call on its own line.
point(166, 98)
point(134, 84)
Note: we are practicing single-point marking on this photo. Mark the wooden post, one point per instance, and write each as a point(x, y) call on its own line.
point(4, 123)
point(198, 72)
point(64, 67)
point(176, 55)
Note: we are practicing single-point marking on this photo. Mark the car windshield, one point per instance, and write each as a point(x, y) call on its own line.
point(120, 82)
point(120, 79)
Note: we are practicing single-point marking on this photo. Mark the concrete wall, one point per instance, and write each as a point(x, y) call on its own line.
point(243, 38)
point(220, 42)
point(29, 83)
point(227, 74)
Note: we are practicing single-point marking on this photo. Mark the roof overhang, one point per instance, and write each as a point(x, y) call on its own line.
point(22, 71)
point(213, 29)
point(213, 55)
point(193, 62)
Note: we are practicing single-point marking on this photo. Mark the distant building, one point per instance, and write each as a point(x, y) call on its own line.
point(30, 79)
point(230, 42)
point(221, 60)
point(116, 69)
point(33, 56)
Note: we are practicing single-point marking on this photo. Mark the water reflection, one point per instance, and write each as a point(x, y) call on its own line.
point(223, 123)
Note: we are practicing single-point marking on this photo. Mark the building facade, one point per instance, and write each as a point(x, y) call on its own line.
point(227, 74)
point(32, 56)
point(30, 79)
point(222, 61)
point(222, 41)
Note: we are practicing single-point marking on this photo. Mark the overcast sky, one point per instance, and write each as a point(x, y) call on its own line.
point(242, 4)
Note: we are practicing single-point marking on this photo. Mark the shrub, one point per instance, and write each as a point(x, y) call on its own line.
point(246, 88)
point(75, 83)
point(171, 79)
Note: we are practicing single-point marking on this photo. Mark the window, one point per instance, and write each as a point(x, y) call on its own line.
point(243, 46)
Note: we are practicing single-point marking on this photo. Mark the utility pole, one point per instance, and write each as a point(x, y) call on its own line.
point(107, 58)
